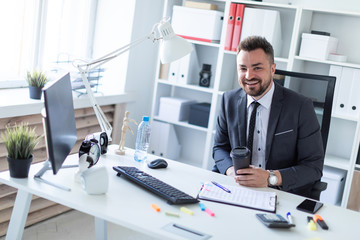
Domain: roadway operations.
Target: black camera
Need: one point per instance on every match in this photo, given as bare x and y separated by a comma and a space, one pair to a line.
205, 75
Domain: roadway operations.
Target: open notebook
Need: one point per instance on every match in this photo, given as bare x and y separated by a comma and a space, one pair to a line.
239, 196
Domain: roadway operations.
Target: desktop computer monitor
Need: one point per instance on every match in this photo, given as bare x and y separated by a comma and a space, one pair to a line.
59, 126
59, 121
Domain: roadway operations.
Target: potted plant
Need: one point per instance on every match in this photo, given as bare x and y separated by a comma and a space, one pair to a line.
20, 141
36, 81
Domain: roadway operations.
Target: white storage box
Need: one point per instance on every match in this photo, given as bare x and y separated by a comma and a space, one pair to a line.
174, 109
197, 24
317, 46
335, 179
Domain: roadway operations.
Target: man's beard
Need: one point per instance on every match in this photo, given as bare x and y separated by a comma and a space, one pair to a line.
254, 92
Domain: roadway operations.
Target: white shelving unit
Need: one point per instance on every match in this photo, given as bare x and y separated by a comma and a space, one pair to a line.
197, 142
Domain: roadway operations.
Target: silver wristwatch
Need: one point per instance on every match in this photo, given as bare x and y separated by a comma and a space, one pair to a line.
272, 180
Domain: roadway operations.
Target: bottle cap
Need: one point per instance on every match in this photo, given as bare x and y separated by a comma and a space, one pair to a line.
145, 118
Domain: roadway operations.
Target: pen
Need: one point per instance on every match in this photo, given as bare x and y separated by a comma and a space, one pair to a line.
223, 188
289, 217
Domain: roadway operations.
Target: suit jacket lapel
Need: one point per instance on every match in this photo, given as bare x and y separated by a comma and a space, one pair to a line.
242, 118
275, 111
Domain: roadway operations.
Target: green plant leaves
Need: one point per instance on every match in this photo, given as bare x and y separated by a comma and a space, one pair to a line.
36, 79
20, 141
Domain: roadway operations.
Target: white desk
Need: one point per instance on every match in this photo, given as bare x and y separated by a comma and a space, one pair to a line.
128, 205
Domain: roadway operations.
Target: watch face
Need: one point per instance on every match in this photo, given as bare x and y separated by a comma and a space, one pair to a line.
272, 178
94, 153
92, 149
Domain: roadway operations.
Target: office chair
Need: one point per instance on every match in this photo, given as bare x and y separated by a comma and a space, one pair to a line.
326, 105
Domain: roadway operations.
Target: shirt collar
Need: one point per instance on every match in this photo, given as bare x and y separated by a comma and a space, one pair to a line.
265, 101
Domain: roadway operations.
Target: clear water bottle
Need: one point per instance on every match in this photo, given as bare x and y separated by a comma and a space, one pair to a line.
142, 140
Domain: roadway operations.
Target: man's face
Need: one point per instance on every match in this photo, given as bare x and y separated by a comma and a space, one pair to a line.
255, 73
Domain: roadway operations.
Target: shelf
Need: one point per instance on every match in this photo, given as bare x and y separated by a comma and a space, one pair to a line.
229, 52
337, 162
335, 12
188, 86
204, 43
343, 64
267, 4
182, 124
344, 117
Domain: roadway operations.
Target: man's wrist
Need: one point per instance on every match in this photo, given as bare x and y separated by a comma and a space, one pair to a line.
274, 178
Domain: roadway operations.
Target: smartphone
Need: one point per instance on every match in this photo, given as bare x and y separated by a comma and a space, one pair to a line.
309, 206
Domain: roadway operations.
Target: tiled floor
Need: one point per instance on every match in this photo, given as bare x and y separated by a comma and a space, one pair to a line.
70, 225
76, 225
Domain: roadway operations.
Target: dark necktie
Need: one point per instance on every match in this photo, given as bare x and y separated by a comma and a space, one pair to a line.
252, 127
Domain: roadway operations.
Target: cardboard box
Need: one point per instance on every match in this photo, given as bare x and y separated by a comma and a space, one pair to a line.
174, 109
317, 46
194, 4
335, 179
199, 114
197, 24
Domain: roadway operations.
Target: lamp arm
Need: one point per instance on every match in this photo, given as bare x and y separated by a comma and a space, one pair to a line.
100, 61
104, 123
85, 68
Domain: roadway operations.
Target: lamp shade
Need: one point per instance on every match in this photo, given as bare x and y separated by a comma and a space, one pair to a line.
172, 47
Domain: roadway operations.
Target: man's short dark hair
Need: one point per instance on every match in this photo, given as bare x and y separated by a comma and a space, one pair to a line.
254, 42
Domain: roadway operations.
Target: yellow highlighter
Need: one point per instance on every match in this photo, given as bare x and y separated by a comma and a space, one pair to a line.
311, 224
186, 210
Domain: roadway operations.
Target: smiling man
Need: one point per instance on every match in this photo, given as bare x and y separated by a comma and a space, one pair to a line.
285, 143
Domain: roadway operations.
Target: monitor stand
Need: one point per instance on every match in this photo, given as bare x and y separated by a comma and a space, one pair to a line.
46, 167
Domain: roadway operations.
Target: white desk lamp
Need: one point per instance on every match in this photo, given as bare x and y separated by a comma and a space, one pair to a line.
172, 47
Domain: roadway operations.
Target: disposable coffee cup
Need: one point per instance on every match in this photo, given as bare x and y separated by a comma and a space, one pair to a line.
240, 157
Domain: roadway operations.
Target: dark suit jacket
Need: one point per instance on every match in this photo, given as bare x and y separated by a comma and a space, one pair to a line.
293, 144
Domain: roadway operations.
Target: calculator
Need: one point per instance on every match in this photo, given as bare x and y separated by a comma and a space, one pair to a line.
274, 221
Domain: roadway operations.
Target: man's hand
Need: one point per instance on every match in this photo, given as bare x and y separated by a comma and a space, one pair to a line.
255, 177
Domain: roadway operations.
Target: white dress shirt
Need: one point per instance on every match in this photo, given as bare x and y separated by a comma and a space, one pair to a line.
261, 126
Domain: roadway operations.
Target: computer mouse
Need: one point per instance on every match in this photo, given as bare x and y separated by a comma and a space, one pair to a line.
158, 163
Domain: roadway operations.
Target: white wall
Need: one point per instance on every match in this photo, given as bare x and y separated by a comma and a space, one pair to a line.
113, 30
142, 62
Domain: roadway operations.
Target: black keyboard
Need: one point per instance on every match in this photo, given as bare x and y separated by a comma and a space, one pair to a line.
162, 189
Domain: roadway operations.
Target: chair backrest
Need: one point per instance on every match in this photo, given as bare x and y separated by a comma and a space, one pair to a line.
320, 88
